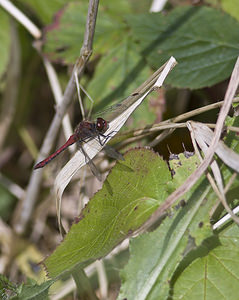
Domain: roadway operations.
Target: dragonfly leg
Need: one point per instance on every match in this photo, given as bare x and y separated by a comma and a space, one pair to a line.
106, 137
110, 151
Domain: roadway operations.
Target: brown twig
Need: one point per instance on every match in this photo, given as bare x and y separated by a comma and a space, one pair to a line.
192, 179
26, 207
136, 134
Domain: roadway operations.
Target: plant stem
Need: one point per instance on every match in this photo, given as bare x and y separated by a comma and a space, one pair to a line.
24, 210
84, 289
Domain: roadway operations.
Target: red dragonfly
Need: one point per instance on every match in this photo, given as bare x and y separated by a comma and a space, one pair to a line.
84, 132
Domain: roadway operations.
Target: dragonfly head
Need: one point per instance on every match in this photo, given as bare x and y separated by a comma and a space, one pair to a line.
101, 125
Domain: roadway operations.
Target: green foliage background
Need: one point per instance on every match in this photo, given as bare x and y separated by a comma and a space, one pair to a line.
183, 258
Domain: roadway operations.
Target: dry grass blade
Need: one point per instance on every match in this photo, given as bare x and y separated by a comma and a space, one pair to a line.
199, 136
225, 218
227, 155
93, 147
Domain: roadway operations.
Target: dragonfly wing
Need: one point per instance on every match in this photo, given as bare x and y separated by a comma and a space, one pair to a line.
94, 170
111, 152
113, 111
97, 147
133, 101
92, 166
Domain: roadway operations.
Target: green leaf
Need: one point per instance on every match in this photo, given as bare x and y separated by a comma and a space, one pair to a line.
64, 37
117, 12
213, 276
5, 38
232, 138
33, 291
182, 166
231, 7
45, 9
6, 286
28, 291
132, 191
155, 256
205, 50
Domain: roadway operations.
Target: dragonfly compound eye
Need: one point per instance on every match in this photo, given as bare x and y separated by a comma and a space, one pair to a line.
101, 124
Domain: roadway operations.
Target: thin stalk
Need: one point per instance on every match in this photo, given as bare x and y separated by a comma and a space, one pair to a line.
84, 288
24, 210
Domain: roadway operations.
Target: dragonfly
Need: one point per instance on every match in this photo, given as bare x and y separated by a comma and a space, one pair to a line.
84, 132
87, 131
